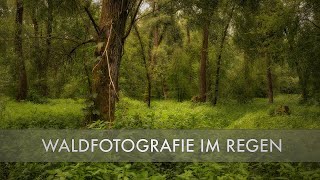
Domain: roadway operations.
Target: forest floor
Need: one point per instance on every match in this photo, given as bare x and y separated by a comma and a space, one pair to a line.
258, 114
68, 113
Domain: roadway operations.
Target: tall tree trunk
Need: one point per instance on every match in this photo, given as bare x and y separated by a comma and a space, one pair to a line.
219, 59
112, 25
36, 51
23, 83
269, 80
44, 64
154, 34
203, 62
142, 49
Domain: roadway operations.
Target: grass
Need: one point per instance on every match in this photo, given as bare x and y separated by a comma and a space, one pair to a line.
67, 113
60, 113
187, 115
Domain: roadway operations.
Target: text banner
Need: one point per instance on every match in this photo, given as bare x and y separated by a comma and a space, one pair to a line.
159, 145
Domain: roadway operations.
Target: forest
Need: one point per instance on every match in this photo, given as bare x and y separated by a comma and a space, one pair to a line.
159, 64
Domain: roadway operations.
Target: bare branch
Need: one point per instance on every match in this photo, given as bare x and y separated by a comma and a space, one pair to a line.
81, 44
133, 19
96, 27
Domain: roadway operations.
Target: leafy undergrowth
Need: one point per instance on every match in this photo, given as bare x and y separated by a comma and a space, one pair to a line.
57, 114
66, 113
187, 115
132, 114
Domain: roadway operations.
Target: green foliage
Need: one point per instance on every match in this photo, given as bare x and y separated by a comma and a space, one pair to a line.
66, 113
160, 171
60, 114
35, 97
132, 114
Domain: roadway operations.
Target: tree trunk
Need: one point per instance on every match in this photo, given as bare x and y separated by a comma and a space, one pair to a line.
154, 34
218, 65
21, 68
269, 80
188, 35
148, 98
165, 88
203, 62
190, 59
246, 70
304, 92
303, 82
112, 25
36, 51
44, 64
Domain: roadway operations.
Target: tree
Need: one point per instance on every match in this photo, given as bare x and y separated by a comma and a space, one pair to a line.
111, 38
43, 87
34, 8
219, 55
146, 65
21, 67
301, 34
270, 27
207, 9
202, 12
245, 39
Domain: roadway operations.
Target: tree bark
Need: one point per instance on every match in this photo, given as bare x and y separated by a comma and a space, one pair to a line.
112, 25
21, 68
203, 62
219, 59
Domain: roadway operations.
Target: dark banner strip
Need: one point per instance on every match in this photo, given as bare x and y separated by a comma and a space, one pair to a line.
159, 146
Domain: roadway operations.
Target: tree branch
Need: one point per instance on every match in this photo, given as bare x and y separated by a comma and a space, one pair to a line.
163, 33
81, 44
55, 37
133, 20
314, 24
96, 27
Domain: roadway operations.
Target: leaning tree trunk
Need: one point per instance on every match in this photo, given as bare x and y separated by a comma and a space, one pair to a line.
144, 58
21, 68
219, 59
203, 62
112, 26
